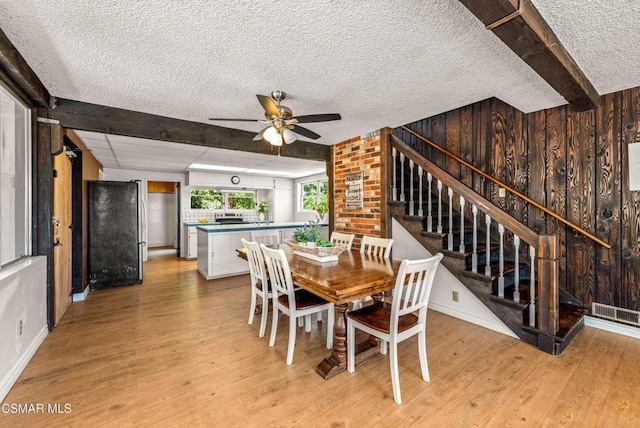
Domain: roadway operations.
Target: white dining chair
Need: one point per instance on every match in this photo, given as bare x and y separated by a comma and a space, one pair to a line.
291, 302
259, 283
380, 247
268, 237
345, 239
395, 322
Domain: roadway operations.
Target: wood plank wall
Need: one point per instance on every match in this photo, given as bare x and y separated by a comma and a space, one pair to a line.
575, 163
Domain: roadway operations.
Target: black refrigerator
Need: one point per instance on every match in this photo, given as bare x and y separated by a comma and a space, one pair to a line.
115, 234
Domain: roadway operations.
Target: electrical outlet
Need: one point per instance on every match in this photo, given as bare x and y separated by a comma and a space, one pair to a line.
19, 328
455, 296
502, 192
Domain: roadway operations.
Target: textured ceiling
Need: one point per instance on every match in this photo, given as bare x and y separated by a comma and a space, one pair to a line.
377, 62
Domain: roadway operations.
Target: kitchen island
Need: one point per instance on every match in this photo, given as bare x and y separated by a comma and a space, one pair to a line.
217, 245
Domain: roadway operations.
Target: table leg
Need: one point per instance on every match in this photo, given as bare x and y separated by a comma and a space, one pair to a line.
337, 362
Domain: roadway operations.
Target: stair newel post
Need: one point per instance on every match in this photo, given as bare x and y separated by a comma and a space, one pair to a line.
516, 278
429, 215
462, 201
501, 262
412, 206
487, 268
450, 240
532, 287
548, 293
394, 189
474, 255
402, 176
439, 206
420, 190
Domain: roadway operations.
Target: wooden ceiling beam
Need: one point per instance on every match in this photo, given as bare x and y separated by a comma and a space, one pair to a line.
109, 120
521, 27
19, 77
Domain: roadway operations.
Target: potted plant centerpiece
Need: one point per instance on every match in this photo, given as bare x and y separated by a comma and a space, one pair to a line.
308, 235
263, 210
307, 243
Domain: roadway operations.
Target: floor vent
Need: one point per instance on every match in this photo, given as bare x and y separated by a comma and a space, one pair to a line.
617, 314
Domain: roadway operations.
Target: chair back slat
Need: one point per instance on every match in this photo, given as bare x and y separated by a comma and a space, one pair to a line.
413, 287
380, 247
256, 261
267, 237
279, 272
340, 238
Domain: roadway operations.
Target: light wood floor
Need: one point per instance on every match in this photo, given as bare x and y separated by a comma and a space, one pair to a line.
177, 351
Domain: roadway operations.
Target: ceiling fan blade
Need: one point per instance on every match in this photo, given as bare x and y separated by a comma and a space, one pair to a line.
269, 106
233, 120
260, 135
305, 132
308, 118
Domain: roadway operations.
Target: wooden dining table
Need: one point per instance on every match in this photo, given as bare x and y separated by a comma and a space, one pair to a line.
353, 276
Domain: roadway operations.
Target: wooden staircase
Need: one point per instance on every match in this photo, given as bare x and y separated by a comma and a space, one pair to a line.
528, 306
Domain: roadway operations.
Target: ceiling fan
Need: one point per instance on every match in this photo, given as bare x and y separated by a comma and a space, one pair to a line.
282, 124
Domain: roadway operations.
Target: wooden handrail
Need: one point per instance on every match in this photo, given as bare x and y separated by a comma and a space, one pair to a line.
511, 190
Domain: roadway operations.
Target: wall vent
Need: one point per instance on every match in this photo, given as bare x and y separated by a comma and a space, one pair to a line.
616, 314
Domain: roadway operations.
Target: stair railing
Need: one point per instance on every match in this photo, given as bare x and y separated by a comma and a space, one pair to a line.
543, 249
509, 189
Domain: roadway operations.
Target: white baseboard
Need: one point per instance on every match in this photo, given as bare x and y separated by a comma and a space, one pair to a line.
79, 297
13, 375
500, 328
613, 327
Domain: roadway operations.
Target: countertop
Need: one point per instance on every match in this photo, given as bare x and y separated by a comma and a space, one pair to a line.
216, 228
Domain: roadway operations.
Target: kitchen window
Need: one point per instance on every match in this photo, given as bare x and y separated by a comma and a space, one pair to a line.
207, 199
312, 194
15, 178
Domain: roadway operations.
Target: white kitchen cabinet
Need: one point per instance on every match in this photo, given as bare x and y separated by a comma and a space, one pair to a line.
217, 256
192, 242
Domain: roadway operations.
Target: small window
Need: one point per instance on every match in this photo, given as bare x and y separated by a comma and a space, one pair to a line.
313, 193
208, 199
203, 199
241, 200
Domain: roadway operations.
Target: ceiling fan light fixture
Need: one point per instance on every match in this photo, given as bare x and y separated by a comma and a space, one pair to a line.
273, 136
288, 136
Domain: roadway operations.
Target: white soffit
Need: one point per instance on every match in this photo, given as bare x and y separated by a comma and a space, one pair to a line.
115, 151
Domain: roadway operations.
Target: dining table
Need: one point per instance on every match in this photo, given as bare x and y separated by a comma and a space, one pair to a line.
353, 276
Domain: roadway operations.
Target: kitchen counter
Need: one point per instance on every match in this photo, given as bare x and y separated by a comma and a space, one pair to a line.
217, 228
217, 244
197, 223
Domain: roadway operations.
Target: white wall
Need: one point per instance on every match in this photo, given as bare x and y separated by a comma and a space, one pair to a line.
23, 296
469, 308
161, 219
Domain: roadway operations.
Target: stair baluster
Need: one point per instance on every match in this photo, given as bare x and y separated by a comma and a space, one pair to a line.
487, 268
501, 262
394, 189
439, 230
450, 240
462, 225
402, 177
516, 278
412, 207
429, 215
420, 174
532, 287
474, 255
